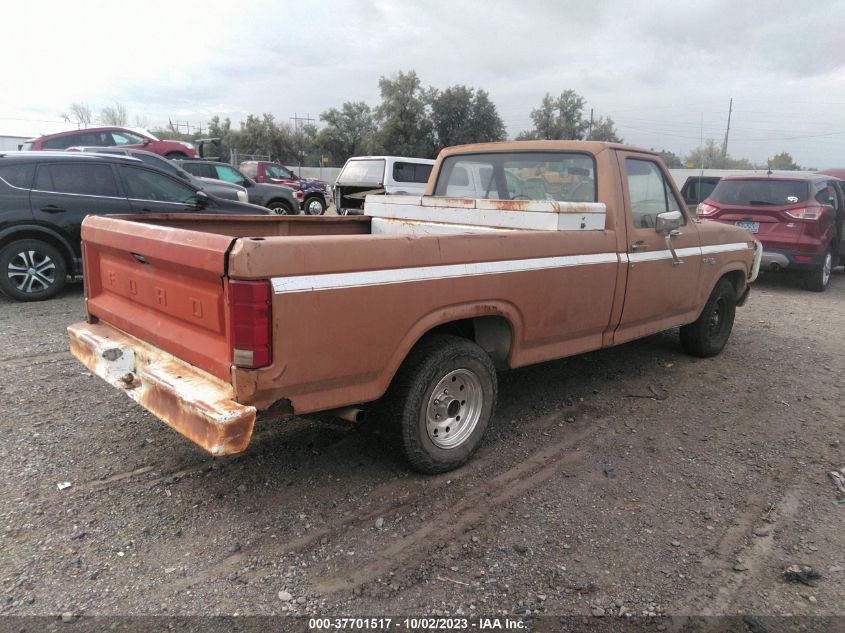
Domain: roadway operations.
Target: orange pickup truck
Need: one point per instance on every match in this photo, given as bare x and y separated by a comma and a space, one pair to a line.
518, 253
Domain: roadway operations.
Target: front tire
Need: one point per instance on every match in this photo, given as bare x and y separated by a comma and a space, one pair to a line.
31, 270
442, 400
281, 207
818, 279
709, 334
314, 205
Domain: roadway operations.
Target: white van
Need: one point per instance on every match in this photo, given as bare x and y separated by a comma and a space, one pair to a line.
378, 175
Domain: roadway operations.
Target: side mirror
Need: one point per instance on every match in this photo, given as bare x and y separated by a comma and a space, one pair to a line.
668, 221
147, 142
202, 200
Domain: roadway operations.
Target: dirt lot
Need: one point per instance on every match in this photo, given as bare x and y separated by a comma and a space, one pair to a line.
633, 480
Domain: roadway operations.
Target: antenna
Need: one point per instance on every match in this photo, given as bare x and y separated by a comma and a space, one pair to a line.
728, 130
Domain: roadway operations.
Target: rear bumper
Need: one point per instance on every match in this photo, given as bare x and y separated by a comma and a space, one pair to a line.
779, 258
192, 402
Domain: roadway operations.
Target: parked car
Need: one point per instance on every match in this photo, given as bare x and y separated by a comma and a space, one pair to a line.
436, 294
111, 137
227, 190
278, 198
372, 175
698, 188
316, 193
799, 220
44, 196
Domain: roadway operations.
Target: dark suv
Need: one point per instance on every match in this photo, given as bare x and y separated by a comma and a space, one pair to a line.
280, 199
799, 220
44, 197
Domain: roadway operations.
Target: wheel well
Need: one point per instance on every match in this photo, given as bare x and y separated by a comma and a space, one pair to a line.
492, 333
59, 245
279, 200
737, 279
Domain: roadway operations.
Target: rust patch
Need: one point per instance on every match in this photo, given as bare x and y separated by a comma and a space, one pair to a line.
192, 402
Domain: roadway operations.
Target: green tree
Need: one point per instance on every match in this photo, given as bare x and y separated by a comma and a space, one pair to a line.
783, 161
604, 129
559, 118
405, 127
709, 156
349, 131
462, 115
670, 159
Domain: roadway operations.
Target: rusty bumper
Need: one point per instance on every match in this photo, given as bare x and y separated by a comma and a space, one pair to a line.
187, 399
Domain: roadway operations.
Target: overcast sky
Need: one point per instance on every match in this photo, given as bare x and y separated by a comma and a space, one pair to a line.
663, 70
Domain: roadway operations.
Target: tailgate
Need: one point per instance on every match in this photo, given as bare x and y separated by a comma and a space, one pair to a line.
162, 285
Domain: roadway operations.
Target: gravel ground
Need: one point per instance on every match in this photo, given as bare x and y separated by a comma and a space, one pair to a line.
632, 480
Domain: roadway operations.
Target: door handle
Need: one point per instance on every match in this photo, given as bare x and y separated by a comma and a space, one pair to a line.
52, 208
639, 246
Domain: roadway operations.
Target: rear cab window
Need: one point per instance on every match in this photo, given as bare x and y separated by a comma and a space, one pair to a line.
760, 192
555, 176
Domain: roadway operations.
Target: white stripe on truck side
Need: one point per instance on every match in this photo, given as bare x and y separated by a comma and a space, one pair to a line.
330, 281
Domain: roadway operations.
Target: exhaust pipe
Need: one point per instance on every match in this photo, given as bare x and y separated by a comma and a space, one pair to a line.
351, 414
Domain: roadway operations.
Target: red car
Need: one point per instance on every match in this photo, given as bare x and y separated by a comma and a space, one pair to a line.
111, 137
798, 219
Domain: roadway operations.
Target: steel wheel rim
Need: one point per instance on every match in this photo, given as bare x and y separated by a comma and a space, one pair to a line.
717, 317
31, 271
279, 210
314, 207
827, 268
454, 408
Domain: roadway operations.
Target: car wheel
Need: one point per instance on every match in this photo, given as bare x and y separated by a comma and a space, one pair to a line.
709, 334
175, 155
314, 206
280, 207
818, 279
31, 270
442, 400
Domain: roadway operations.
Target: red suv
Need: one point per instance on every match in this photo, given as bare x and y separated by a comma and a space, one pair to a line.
798, 219
111, 137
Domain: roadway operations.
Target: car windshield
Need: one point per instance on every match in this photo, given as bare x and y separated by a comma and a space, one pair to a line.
760, 192
277, 171
362, 172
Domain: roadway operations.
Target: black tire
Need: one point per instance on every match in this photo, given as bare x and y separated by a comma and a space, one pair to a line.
442, 362
175, 155
818, 279
709, 334
281, 207
31, 270
315, 205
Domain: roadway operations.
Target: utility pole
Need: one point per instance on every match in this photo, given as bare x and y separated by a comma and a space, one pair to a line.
298, 123
590, 134
728, 130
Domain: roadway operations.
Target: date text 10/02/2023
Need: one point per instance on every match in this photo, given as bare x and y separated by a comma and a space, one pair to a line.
423, 623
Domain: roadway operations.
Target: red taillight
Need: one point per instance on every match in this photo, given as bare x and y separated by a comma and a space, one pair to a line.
809, 213
250, 323
704, 209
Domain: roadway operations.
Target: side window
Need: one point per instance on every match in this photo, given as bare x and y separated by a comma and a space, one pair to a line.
228, 174
411, 172
250, 170
125, 138
18, 175
199, 169
144, 184
649, 192
157, 162
80, 179
825, 193
63, 142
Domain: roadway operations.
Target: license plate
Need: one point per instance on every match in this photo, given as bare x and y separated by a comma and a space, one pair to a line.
751, 226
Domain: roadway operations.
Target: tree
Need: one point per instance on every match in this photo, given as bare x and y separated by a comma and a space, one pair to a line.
604, 130
559, 118
462, 115
349, 131
709, 156
670, 159
114, 115
783, 161
79, 113
405, 127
